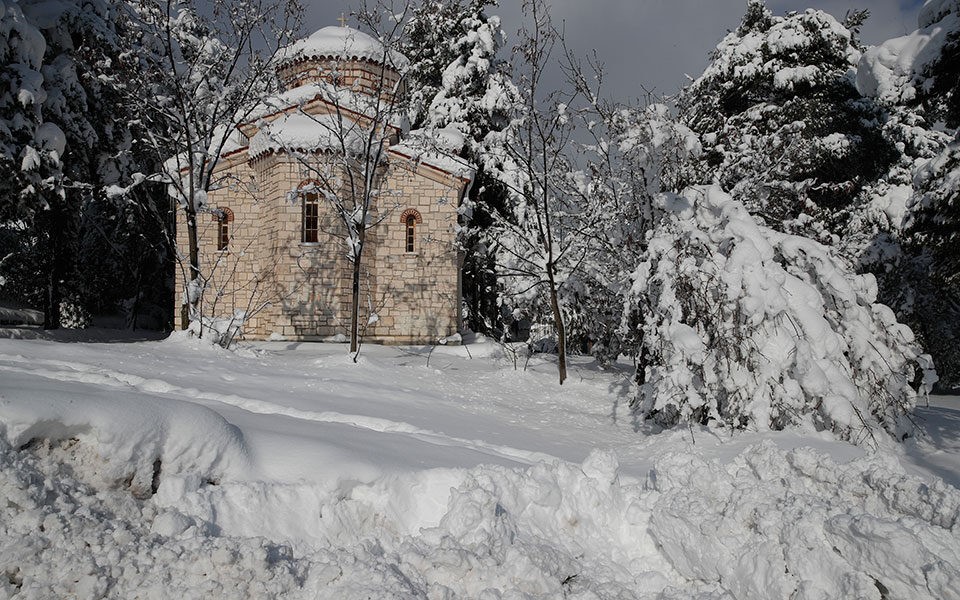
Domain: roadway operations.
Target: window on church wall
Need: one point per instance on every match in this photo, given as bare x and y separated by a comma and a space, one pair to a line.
410, 219
411, 232
310, 227
223, 217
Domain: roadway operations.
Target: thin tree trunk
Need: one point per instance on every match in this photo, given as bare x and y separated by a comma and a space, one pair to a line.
355, 307
56, 230
355, 297
558, 325
193, 295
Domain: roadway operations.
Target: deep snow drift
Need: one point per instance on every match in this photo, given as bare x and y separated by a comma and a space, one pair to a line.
166, 469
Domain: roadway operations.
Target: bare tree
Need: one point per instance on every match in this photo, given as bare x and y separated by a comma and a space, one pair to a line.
351, 131
542, 244
203, 73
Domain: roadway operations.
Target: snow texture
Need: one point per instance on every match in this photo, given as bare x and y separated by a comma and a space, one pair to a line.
300, 132
436, 148
892, 71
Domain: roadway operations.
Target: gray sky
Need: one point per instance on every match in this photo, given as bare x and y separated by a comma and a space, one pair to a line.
652, 44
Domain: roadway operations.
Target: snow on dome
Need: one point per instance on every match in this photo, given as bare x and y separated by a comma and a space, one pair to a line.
342, 43
308, 133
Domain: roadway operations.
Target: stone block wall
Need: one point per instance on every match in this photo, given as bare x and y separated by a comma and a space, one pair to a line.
302, 291
229, 273
418, 293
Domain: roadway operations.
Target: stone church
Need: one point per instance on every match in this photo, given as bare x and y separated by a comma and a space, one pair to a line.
272, 248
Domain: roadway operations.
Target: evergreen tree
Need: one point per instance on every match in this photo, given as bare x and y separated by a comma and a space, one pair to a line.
915, 78
459, 82
31, 151
746, 327
782, 123
71, 254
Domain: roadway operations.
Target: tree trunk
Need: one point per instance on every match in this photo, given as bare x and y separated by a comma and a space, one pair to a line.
558, 325
194, 247
56, 231
355, 297
355, 307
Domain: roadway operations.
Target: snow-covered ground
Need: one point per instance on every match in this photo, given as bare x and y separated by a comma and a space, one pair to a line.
167, 468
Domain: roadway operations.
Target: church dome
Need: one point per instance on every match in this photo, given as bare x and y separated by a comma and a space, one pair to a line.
340, 43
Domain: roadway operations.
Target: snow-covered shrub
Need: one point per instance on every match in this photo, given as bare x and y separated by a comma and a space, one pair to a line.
749, 327
221, 331
73, 315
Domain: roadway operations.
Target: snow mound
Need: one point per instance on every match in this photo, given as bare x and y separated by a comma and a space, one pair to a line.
769, 524
64, 535
342, 43
141, 440
778, 524
747, 327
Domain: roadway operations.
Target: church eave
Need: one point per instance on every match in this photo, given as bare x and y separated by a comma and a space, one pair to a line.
418, 163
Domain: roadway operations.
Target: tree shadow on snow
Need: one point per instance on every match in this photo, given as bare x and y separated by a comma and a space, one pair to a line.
940, 429
93, 335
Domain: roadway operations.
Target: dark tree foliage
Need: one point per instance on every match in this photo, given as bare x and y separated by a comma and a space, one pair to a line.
933, 235
458, 79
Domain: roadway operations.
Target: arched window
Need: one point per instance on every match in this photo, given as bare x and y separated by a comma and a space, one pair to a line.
223, 216
410, 219
310, 222
411, 232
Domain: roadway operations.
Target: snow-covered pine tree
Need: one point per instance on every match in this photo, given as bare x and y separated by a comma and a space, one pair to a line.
743, 326
426, 42
86, 233
914, 77
458, 80
782, 123
935, 229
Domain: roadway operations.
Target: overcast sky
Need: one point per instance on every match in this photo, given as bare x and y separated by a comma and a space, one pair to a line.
653, 44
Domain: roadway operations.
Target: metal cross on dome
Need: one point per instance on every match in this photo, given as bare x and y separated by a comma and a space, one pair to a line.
343, 20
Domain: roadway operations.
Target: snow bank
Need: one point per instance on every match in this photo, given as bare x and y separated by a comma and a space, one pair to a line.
770, 524
140, 439
63, 534
776, 524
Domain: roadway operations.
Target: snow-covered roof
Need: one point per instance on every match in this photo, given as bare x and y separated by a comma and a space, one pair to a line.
307, 133
342, 43
344, 98
436, 149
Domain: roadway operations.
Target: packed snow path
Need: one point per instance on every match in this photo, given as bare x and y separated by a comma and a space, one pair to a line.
156, 469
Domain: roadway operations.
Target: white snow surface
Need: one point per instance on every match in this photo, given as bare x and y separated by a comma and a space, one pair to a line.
158, 469
437, 148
